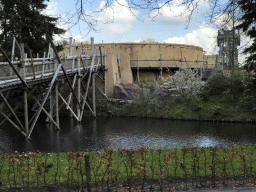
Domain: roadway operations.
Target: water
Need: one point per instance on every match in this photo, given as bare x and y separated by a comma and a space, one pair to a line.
119, 133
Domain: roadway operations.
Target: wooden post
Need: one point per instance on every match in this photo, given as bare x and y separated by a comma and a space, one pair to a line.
57, 119
44, 100
138, 72
12, 58
43, 65
93, 94
181, 59
92, 45
118, 63
78, 82
197, 63
161, 69
25, 96
105, 73
87, 171
70, 46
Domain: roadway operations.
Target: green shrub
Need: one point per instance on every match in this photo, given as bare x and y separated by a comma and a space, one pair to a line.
217, 85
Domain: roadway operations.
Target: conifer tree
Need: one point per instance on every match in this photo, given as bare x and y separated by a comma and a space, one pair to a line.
248, 22
24, 20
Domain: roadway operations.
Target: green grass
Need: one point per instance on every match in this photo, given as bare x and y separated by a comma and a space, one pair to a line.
37, 169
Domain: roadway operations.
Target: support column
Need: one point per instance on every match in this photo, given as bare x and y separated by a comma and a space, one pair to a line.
78, 82
138, 72
161, 68
25, 95
57, 103
181, 59
93, 94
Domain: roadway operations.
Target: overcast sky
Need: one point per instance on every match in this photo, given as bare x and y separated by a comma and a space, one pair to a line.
170, 25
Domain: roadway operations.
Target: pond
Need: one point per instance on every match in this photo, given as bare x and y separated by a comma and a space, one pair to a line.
125, 133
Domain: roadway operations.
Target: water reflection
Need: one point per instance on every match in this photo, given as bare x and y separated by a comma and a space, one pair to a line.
125, 133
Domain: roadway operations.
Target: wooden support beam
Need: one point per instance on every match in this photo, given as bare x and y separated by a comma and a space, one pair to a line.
101, 91
70, 95
138, 68
25, 101
63, 69
17, 106
14, 69
93, 94
44, 110
57, 118
68, 107
88, 82
10, 108
43, 102
78, 81
15, 126
32, 64
161, 68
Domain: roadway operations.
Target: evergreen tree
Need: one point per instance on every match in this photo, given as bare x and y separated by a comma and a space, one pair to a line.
248, 22
24, 20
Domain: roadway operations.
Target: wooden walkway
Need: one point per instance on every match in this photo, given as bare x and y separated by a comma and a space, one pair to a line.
29, 74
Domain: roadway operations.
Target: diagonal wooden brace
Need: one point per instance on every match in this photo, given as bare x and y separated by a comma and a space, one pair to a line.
44, 100
10, 108
64, 71
88, 82
14, 69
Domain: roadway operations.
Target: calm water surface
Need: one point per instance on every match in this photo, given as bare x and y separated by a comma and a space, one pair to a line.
118, 133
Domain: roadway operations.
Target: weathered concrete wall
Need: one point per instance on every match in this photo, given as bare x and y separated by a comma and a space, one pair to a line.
126, 72
112, 75
211, 60
152, 51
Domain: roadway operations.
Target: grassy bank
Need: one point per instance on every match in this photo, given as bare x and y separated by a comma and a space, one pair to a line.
199, 166
221, 99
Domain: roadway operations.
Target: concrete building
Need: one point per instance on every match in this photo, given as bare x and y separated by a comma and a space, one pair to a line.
148, 61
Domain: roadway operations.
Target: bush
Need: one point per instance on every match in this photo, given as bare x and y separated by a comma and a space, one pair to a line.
217, 85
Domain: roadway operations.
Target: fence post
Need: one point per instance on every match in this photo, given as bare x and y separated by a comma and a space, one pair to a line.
92, 46
105, 72
87, 171
161, 69
181, 58
70, 46
13, 49
138, 72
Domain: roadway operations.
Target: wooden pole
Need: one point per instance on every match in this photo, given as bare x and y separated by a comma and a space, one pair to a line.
25, 95
78, 81
32, 64
93, 94
43, 65
48, 115
138, 72
92, 45
10, 108
181, 58
13, 50
87, 172
63, 69
105, 73
57, 118
88, 82
161, 69
44, 100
